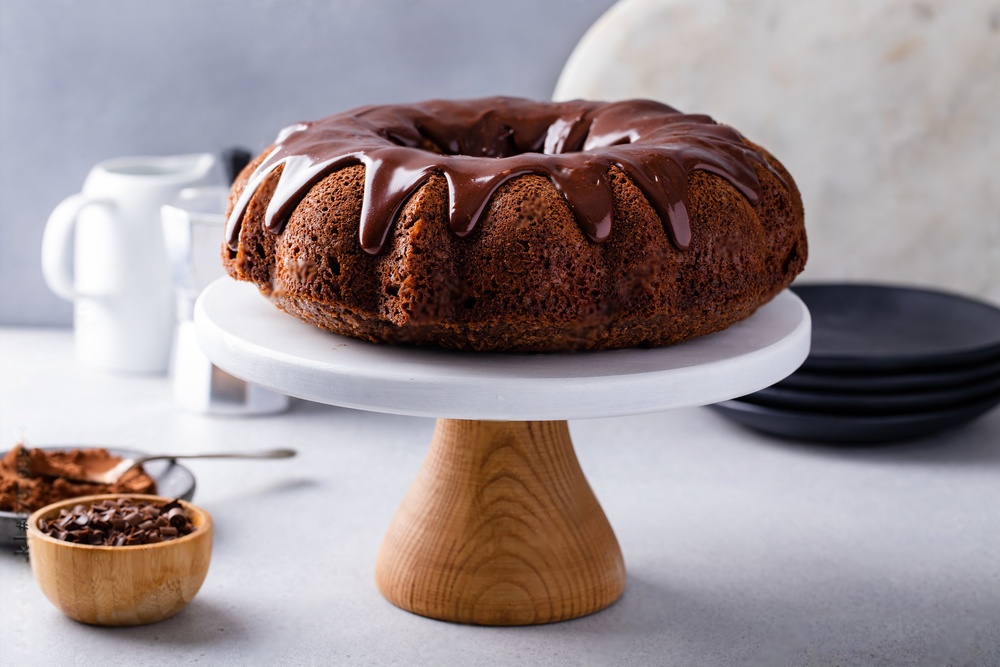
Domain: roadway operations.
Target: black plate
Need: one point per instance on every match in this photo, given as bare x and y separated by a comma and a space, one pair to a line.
895, 382
885, 329
172, 481
839, 429
874, 404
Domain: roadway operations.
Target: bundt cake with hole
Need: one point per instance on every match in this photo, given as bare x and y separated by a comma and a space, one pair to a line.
509, 224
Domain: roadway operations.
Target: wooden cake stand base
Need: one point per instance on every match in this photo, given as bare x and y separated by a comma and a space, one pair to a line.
500, 526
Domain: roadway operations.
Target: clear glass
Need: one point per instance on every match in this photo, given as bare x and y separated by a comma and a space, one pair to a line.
194, 227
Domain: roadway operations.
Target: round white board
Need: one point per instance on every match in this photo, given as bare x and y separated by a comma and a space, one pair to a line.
882, 110
244, 334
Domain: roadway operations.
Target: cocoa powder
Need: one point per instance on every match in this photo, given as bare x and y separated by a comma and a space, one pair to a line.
33, 478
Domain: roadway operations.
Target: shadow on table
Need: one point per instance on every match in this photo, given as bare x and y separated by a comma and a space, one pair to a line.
681, 626
279, 487
973, 444
201, 624
651, 618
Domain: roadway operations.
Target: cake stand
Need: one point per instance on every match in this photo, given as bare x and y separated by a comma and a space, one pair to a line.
500, 526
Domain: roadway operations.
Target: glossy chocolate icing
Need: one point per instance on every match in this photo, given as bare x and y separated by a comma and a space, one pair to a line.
477, 145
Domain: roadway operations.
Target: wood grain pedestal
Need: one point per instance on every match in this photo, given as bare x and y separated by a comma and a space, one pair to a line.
500, 528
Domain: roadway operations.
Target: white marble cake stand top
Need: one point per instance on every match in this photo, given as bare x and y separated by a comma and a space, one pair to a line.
244, 334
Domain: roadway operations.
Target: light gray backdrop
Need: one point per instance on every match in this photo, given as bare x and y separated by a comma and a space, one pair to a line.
81, 82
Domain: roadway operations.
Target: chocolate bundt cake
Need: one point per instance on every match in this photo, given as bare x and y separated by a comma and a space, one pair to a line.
507, 224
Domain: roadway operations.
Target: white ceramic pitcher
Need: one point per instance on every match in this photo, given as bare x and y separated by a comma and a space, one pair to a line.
103, 249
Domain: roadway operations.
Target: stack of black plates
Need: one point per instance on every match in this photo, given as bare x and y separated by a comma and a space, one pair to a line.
887, 363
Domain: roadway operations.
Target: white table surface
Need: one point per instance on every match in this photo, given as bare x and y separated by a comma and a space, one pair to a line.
741, 550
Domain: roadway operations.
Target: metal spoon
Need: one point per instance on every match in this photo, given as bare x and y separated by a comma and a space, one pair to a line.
114, 474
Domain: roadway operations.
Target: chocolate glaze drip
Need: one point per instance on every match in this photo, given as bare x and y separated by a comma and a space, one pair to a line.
479, 144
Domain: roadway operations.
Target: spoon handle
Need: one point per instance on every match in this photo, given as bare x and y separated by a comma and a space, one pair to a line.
265, 454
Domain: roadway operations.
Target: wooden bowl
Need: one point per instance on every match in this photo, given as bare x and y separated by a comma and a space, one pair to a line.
131, 585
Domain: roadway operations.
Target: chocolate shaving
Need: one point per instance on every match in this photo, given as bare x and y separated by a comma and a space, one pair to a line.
119, 522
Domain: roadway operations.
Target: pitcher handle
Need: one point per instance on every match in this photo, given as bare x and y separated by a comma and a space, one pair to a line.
57, 244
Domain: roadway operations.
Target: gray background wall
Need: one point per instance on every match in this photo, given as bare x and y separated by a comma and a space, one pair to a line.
81, 82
